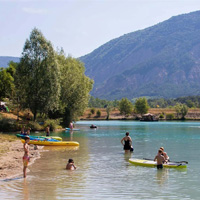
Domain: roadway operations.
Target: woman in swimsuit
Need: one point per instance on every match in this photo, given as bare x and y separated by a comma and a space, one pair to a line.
126, 142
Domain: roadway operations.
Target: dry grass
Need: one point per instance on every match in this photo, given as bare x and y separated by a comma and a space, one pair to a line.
115, 114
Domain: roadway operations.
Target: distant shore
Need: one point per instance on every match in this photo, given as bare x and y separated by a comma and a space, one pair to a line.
193, 114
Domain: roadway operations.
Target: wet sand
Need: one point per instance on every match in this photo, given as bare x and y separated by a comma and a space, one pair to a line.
11, 164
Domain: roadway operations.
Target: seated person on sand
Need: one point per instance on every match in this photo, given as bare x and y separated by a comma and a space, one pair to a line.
160, 159
70, 165
165, 155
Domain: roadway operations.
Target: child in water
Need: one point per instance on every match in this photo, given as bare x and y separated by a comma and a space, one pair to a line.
26, 157
70, 165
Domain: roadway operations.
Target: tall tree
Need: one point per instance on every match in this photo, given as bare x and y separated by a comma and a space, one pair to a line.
125, 107
141, 106
181, 109
75, 88
7, 86
38, 75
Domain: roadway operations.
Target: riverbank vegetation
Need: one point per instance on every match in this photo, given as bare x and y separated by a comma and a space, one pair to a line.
46, 83
48, 88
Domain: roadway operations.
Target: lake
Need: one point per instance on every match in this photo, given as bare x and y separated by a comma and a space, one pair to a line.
103, 170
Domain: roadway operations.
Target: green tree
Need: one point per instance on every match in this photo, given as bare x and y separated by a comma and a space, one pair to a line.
190, 104
184, 111
181, 109
75, 88
92, 110
98, 113
141, 106
7, 86
125, 107
38, 75
178, 109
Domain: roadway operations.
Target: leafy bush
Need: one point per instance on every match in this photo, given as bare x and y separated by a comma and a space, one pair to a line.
92, 110
161, 116
8, 125
53, 123
170, 116
35, 126
98, 113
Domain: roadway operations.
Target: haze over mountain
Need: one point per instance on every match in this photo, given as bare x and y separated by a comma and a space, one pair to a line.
159, 61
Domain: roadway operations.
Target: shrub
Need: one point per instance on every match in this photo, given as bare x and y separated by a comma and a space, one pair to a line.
53, 123
8, 125
92, 111
161, 116
35, 126
170, 116
98, 113
89, 115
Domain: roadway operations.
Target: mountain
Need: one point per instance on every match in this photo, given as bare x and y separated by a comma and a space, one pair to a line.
159, 61
4, 60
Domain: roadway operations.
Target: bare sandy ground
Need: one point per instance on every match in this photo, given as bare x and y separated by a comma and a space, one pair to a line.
11, 164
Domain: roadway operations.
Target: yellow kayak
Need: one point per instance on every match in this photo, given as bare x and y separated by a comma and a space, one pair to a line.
50, 143
151, 163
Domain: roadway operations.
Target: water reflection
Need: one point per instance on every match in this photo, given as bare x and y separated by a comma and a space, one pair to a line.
162, 176
127, 156
61, 148
25, 187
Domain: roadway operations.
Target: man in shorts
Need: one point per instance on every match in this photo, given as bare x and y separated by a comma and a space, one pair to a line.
160, 159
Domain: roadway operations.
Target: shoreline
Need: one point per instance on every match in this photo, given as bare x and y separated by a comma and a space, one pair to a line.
11, 164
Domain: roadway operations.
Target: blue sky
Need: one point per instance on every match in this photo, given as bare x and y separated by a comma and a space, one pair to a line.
80, 26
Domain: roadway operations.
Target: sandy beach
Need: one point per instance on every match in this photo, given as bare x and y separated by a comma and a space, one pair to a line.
11, 164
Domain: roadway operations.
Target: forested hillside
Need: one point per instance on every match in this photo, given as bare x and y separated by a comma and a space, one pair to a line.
159, 61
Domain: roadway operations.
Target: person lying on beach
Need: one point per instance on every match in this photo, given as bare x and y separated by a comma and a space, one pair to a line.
160, 159
165, 155
26, 157
70, 165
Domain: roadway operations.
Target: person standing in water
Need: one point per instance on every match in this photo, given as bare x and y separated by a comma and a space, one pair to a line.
26, 157
160, 159
127, 142
71, 126
47, 131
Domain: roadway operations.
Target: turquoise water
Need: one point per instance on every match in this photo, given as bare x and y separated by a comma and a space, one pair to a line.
103, 170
